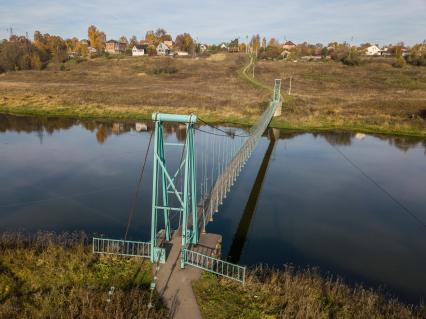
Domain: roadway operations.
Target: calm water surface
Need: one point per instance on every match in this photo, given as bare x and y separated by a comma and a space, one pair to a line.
349, 204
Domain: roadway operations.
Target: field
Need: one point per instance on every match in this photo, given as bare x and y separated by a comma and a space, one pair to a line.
57, 276
372, 97
271, 294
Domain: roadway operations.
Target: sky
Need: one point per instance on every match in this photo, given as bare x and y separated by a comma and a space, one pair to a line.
214, 21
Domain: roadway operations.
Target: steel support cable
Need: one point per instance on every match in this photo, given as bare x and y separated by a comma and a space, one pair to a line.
219, 129
138, 188
395, 200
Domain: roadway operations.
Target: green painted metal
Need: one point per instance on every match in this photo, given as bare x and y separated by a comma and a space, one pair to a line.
164, 186
128, 248
214, 265
276, 97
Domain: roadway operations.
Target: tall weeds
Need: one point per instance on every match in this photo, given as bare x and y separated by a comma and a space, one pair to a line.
57, 276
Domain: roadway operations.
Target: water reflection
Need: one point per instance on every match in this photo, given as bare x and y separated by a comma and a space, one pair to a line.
297, 200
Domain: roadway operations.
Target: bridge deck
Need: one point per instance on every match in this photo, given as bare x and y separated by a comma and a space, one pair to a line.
175, 284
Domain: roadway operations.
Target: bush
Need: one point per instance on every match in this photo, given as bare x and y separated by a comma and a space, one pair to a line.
165, 67
399, 62
346, 55
417, 60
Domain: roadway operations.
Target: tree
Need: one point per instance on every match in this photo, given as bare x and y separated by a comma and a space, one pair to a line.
161, 35
97, 38
184, 42
255, 43
273, 43
150, 37
264, 42
19, 54
133, 41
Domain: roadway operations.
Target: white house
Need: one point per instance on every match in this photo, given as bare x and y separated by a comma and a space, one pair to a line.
181, 53
373, 50
203, 48
223, 46
163, 49
139, 50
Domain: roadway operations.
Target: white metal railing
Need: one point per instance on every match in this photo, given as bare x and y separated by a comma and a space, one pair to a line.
121, 247
214, 265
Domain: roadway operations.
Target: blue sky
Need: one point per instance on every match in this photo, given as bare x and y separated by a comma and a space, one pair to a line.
356, 21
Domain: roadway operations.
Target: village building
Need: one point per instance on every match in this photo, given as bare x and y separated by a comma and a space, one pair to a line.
115, 47
139, 50
181, 53
289, 45
223, 46
169, 43
373, 50
163, 49
203, 48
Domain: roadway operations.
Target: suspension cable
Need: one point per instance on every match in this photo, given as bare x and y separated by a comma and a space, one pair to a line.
219, 129
138, 188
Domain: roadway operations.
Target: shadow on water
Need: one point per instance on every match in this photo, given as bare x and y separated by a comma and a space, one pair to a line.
240, 236
317, 209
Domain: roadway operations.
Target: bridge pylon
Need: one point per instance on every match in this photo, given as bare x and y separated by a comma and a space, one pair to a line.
165, 190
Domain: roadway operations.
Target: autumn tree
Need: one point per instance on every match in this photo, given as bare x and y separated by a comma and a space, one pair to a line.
255, 43
97, 38
133, 41
150, 37
273, 43
162, 35
184, 42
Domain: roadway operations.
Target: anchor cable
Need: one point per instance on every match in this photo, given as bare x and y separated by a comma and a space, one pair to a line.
138, 188
396, 201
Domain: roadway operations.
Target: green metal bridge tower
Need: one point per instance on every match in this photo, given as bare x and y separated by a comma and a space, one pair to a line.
164, 185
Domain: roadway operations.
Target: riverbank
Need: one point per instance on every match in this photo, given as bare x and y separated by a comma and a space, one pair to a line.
372, 98
57, 276
271, 294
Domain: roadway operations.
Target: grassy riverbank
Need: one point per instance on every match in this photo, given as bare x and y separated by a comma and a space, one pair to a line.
272, 294
52, 276
373, 97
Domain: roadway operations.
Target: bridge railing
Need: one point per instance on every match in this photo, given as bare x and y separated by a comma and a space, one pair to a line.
214, 265
121, 247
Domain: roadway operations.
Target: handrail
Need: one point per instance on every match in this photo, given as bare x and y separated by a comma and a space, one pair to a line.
214, 265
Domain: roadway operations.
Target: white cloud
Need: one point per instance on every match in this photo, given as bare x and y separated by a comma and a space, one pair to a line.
380, 21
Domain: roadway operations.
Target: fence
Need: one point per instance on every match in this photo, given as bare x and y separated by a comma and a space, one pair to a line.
121, 247
214, 265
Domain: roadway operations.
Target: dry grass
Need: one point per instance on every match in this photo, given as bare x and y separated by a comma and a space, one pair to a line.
50, 276
373, 97
134, 87
270, 294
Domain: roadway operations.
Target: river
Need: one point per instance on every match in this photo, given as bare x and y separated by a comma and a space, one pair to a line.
353, 205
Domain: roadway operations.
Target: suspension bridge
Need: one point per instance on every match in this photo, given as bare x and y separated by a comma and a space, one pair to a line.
186, 198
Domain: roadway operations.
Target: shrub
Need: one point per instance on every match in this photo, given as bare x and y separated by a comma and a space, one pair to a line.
399, 62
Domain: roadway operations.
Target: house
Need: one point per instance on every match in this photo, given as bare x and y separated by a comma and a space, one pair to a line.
139, 50
168, 43
163, 49
115, 47
146, 42
223, 46
85, 42
373, 50
181, 53
203, 48
288, 45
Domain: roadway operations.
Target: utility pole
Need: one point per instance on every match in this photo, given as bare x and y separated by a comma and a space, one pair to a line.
10, 30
